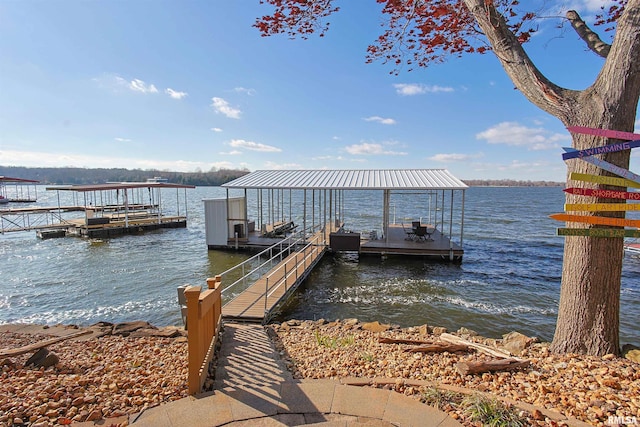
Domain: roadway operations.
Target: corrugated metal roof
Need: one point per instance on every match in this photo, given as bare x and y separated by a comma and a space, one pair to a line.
361, 179
117, 186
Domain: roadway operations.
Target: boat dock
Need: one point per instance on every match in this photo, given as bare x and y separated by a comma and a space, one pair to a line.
287, 255
284, 201
107, 210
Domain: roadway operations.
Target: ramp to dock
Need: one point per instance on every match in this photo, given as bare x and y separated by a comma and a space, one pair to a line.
256, 302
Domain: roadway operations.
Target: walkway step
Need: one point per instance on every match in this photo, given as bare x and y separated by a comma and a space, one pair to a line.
253, 388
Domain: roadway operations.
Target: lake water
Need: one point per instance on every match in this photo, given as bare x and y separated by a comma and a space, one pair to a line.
508, 280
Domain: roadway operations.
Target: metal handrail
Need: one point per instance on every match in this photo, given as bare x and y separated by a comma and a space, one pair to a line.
286, 274
289, 242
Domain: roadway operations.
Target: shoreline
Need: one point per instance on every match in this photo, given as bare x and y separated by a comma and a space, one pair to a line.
107, 375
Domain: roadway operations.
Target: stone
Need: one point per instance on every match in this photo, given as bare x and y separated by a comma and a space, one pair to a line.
515, 342
423, 329
439, 330
126, 328
94, 415
42, 358
375, 327
350, 322
633, 355
465, 331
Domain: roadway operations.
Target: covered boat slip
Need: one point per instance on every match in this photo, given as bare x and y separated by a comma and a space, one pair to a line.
17, 190
381, 212
123, 208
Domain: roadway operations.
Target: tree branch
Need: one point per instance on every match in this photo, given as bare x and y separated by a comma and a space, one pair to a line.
592, 40
551, 98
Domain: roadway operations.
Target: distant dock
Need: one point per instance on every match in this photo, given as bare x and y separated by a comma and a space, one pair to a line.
107, 210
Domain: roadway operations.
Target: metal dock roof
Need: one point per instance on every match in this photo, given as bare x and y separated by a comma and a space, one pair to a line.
350, 179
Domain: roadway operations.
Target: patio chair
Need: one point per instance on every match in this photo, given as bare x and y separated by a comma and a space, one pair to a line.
409, 232
421, 233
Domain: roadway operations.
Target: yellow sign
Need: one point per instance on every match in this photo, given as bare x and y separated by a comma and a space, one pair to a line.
594, 207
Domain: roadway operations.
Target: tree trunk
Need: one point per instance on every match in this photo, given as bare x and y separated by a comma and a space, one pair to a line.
588, 314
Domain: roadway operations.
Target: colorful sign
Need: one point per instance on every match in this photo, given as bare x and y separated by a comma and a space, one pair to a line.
617, 134
605, 194
610, 148
598, 232
604, 207
608, 167
601, 220
607, 180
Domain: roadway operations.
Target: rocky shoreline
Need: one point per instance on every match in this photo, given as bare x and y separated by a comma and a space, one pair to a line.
118, 371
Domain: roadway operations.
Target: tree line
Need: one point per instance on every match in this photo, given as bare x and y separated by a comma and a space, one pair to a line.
77, 176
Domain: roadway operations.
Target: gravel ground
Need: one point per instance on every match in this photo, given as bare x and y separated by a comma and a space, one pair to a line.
112, 375
590, 389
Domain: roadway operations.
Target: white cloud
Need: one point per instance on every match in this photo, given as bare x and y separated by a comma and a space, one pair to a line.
408, 89
175, 94
367, 148
244, 90
138, 85
380, 120
230, 153
221, 106
122, 139
454, 157
57, 159
253, 146
515, 134
216, 129
282, 166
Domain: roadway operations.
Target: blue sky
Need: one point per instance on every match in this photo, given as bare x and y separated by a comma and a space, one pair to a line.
191, 85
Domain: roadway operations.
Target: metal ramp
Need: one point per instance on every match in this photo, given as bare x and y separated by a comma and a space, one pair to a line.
257, 301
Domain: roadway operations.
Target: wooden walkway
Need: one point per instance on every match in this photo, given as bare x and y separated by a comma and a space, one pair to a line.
256, 302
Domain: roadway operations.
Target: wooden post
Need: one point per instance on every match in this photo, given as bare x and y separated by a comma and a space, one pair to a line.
192, 293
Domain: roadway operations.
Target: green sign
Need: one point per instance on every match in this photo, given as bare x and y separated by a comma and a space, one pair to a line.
598, 232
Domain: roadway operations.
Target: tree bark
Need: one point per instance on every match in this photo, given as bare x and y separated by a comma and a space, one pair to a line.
588, 313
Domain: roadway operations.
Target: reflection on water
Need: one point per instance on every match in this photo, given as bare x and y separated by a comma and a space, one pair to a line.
509, 278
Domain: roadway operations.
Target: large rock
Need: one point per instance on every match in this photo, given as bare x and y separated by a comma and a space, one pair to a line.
42, 358
126, 328
375, 327
515, 342
631, 352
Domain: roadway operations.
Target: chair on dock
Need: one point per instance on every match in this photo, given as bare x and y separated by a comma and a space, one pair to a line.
421, 233
409, 232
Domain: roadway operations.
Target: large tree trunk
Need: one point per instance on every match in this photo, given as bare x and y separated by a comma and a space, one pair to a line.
588, 314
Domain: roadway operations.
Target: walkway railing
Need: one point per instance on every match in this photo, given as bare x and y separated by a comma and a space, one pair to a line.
204, 310
248, 271
280, 276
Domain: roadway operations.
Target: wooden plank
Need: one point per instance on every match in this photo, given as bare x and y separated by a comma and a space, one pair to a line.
609, 148
598, 232
602, 207
607, 133
606, 180
610, 167
10, 352
604, 194
599, 220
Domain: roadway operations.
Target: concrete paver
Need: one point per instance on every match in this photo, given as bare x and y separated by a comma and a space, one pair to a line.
252, 388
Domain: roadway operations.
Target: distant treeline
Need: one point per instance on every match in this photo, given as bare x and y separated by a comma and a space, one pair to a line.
76, 176
214, 177
510, 183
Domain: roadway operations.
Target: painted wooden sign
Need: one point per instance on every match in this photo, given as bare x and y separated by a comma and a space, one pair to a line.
608, 167
617, 134
604, 207
605, 194
601, 220
610, 148
607, 180
598, 232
